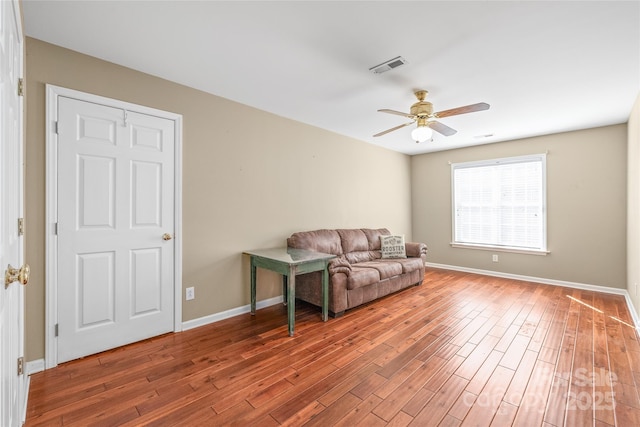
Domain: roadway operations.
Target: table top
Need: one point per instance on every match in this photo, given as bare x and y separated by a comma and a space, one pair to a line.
290, 256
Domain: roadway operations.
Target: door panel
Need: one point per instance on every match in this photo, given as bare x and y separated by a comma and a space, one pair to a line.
147, 269
96, 192
115, 202
96, 129
96, 289
146, 194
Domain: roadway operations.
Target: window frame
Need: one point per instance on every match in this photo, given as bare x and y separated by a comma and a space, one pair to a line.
542, 158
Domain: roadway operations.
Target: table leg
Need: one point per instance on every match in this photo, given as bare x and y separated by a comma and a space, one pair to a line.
253, 287
285, 283
325, 294
291, 300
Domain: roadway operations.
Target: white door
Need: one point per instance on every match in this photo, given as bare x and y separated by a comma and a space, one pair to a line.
115, 227
11, 297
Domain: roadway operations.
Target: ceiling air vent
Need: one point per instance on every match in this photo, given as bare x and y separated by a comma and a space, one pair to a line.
388, 65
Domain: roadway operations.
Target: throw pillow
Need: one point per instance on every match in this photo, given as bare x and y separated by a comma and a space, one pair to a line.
392, 246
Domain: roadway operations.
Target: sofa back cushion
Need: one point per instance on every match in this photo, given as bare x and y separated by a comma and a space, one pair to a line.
355, 245
326, 241
353, 240
373, 237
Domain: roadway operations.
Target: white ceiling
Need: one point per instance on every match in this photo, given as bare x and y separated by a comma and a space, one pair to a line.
544, 67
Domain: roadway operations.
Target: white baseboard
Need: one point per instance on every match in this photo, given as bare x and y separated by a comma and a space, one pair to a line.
35, 366
190, 324
587, 287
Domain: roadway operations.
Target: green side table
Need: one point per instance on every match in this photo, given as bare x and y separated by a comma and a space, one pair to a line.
290, 262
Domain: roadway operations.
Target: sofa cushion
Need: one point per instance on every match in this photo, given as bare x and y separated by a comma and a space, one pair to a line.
386, 269
373, 237
326, 241
410, 264
360, 277
360, 256
393, 247
353, 240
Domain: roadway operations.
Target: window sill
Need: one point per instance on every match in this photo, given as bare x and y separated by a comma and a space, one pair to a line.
500, 249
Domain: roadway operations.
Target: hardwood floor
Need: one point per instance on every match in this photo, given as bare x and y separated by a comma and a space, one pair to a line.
461, 349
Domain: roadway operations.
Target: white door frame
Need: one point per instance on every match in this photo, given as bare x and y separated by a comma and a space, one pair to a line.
51, 258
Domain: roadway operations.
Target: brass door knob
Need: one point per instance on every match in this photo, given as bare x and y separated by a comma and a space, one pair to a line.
167, 236
16, 275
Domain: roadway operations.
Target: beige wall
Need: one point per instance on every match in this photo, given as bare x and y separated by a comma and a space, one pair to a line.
250, 179
633, 216
250, 187
586, 203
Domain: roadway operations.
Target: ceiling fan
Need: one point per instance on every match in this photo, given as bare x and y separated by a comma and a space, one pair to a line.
422, 113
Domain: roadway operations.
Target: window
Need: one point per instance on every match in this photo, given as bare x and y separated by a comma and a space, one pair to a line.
500, 204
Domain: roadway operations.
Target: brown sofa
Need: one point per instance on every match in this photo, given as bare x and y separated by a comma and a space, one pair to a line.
358, 274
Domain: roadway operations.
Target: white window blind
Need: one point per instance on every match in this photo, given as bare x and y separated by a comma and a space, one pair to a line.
500, 203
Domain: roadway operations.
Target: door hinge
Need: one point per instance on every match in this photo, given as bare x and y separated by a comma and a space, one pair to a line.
55, 228
20, 87
56, 330
55, 127
20, 226
20, 365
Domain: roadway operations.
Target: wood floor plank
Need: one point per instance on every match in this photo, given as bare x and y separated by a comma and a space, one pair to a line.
405, 391
436, 410
449, 421
448, 369
603, 386
515, 352
531, 409
483, 374
359, 413
192, 414
460, 349
463, 405
488, 402
399, 378
476, 358
504, 416
521, 378
335, 412
417, 402
558, 401
347, 384
305, 414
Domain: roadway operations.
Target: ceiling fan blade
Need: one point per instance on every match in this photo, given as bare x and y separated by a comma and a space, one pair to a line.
440, 128
384, 132
397, 113
463, 110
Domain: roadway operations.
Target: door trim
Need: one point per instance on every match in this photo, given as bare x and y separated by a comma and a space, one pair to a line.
51, 239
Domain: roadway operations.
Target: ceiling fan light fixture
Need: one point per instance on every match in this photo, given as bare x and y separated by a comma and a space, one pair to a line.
421, 133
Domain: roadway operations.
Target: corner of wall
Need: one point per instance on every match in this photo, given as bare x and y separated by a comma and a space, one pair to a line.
633, 207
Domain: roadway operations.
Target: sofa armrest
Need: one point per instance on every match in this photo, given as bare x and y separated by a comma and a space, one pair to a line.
415, 249
339, 265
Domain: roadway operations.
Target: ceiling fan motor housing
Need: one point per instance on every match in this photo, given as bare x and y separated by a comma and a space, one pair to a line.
422, 109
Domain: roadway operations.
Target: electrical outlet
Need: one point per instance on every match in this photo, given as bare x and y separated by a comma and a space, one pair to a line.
191, 293
495, 258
